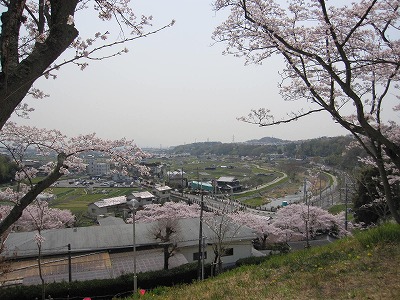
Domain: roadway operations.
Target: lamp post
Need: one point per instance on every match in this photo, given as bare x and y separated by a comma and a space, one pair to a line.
133, 205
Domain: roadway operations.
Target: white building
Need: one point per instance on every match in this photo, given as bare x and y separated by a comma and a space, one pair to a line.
143, 198
108, 207
95, 167
108, 247
162, 193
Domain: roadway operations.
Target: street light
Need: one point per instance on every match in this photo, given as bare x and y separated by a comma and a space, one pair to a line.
133, 205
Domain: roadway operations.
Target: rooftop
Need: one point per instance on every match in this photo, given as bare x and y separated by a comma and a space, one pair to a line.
110, 201
227, 179
143, 195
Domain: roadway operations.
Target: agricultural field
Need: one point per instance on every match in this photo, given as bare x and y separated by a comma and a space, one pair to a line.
261, 181
77, 199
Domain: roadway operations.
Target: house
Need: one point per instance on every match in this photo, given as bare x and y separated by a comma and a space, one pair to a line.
143, 198
106, 251
162, 193
228, 184
177, 179
108, 207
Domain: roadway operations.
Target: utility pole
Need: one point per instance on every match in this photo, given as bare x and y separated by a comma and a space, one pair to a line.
345, 207
182, 180
69, 264
320, 190
200, 266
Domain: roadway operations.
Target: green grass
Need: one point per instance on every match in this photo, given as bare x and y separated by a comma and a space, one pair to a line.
256, 201
77, 199
358, 267
337, 209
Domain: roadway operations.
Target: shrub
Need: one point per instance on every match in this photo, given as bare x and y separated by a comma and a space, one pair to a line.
101, 287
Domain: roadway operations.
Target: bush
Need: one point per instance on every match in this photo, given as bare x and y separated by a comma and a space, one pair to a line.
253, 260
386, 233
99, 288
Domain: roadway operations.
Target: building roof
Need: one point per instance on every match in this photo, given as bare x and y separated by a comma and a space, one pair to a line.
110, 201
97, 238
202, 183
227, 179
162, 188
82, 239
143, 195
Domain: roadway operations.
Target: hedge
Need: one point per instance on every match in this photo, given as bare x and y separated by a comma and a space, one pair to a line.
104, 288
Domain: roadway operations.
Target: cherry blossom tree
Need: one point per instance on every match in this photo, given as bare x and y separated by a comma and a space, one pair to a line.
38, 216
37, 38
35, 33
294, 220
342, 59
165, 218
266, 232
18, 140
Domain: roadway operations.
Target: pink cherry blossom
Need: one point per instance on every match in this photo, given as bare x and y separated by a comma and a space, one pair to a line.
19, 140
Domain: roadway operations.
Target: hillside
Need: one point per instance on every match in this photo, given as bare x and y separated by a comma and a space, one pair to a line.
361, 267
267, 141
333, 150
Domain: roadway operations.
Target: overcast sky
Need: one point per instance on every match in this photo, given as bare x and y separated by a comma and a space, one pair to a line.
172, 88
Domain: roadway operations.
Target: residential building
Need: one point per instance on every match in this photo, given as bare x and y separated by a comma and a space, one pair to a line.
108, 207
228, 184
162, 193
177, 179
143, 198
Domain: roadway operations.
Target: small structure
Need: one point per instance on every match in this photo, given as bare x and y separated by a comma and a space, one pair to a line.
228, 184
108, 207
143, 198
204, 186
177, 179
162, 193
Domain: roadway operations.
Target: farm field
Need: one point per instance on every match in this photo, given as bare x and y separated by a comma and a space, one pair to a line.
261, 181
77, 199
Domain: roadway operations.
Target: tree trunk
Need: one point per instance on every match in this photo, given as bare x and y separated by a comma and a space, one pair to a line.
27, 199
40, 272
166, 256
16, 78
388, 191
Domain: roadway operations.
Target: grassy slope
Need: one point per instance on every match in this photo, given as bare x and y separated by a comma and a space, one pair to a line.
365, 266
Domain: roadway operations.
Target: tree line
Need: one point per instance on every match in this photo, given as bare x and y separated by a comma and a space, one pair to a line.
332, 149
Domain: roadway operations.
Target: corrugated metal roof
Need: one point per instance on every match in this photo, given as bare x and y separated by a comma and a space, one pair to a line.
96, 238
227, 179
162, 188
111, 201
143, 195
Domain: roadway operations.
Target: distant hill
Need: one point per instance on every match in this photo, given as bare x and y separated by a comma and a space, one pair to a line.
332, 149
267, 141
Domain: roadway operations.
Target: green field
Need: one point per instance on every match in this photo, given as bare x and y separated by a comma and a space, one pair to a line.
77, 199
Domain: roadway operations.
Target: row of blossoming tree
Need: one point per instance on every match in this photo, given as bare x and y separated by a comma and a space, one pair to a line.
291, 223
341, 58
